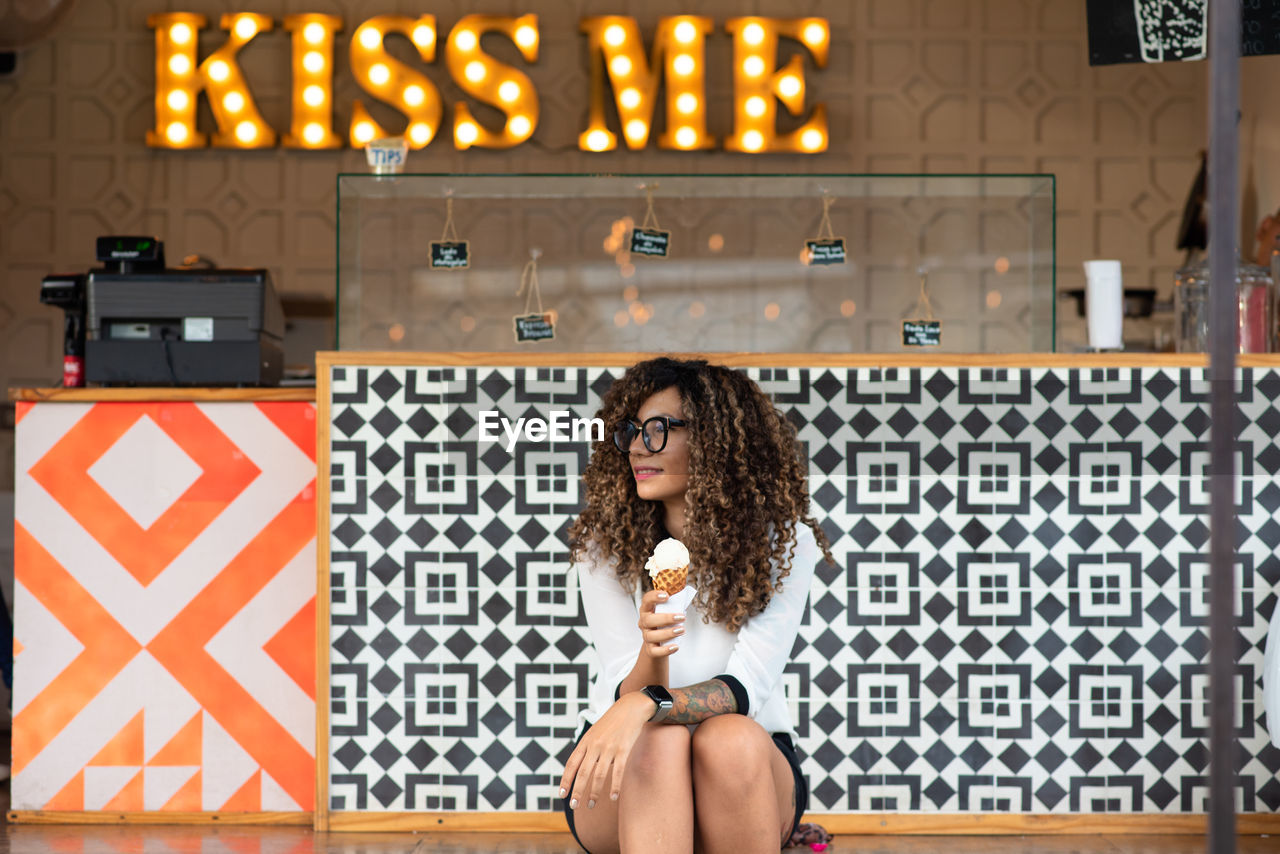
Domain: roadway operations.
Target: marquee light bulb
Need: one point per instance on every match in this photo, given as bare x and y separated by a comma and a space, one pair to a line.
420, 133
414, 95
755, 106
526, 36
370, 38
475, 71
465, 40
179, 64
812, 140
685, 32
467, 133
636, 130
177, 132
684, 64
687, 103
620, 66
686, 137
313, 33
789, 86
313, 133
363, 132
312, 61
233, 102
630, 98
246, 132
753, 34
753, 66
246, 27
313, 96
815, 34
597, 140
178, 100
753, 140
614, 35
423, 36
509, 91
379, 74
180, 33
520, 125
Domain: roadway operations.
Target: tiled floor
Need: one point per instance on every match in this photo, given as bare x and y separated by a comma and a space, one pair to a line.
186, 839
267, 840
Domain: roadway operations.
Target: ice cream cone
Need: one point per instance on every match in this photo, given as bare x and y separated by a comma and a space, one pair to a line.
671, 581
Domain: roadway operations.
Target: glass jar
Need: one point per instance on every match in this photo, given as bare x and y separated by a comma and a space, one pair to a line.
1255, 309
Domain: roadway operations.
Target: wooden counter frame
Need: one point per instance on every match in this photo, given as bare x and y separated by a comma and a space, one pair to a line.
838, 823
163, 395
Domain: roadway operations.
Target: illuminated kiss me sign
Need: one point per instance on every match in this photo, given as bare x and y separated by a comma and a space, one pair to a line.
620, 68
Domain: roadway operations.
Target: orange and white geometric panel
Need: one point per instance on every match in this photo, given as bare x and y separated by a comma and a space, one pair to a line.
164, 607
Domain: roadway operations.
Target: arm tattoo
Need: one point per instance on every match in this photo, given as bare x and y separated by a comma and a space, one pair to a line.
696, 703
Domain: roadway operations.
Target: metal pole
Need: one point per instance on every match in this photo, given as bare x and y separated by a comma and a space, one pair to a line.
1224, 228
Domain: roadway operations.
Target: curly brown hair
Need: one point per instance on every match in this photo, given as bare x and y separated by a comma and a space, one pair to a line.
746, 480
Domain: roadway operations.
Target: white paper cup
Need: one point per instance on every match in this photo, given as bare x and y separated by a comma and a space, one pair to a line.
386, 156
1104, 304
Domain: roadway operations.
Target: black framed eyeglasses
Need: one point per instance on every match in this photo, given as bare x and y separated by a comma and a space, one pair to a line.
653, 432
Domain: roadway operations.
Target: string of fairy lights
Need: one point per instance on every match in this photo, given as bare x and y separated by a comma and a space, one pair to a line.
677, 56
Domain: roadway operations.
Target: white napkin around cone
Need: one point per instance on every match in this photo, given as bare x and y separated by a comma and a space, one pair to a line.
678, 603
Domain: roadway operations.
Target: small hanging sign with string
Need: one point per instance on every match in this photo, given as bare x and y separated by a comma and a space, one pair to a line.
648, 240
922, 332
536, 326
826, 249
450, 253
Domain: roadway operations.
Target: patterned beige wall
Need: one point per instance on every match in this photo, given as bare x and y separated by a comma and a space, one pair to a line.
913, 85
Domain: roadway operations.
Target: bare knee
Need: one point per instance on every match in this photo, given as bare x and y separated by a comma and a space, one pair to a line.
660, 748
731, 748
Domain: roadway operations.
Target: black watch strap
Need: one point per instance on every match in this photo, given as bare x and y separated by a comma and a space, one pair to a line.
662, 698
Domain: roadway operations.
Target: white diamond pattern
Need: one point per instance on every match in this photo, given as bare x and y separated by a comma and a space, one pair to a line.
145, 471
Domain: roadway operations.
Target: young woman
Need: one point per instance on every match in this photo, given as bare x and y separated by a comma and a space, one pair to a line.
687, 746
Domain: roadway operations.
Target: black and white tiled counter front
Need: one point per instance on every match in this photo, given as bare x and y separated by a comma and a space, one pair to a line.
1016, 621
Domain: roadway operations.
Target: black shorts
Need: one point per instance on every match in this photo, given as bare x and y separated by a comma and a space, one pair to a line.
781, 739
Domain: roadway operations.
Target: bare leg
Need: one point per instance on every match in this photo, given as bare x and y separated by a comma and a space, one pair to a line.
654, 811
743, 788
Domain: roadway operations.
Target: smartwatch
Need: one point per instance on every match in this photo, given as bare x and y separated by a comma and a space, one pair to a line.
662, 697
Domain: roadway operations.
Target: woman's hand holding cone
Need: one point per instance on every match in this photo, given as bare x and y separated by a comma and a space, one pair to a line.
657, 628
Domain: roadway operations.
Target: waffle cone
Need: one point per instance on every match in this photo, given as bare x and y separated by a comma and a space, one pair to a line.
671, 580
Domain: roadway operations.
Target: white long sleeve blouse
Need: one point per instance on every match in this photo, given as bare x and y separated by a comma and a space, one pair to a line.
750, 660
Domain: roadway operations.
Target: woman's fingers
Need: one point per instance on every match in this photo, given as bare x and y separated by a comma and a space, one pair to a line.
657, 650
582, 785
665, 633
651, 599
660, 621
596, 784
571, 769
619, 766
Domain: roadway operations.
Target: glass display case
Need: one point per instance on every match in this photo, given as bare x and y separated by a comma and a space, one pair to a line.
974, 253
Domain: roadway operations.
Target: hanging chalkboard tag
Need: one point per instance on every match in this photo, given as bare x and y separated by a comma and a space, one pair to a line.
450, 254
824, 252
650, 242
921, 333
826, 249
534, 327
925, 331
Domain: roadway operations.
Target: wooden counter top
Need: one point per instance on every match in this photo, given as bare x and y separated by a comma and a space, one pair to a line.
130, 394
811, 360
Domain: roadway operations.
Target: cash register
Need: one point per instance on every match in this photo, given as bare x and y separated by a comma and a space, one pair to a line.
147, 324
